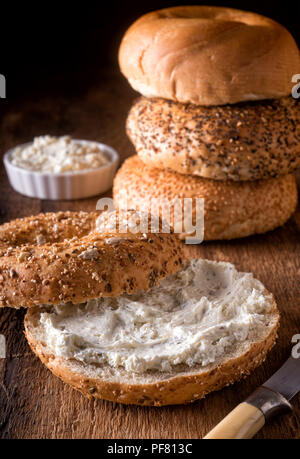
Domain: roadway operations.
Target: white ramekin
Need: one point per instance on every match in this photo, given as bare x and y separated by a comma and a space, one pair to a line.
65, 185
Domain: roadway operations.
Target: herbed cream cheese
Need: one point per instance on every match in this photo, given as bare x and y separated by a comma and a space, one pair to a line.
191, 319
58, 154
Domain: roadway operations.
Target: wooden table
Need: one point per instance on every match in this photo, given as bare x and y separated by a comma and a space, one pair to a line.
33, 402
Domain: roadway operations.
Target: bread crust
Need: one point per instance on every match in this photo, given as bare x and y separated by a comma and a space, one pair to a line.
60, 257
209, 56
248, 141
231, 209
162, 389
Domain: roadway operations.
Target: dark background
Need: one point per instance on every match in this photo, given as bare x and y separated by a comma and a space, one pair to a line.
66, 43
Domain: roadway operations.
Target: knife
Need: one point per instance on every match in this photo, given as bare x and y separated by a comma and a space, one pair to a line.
269, 400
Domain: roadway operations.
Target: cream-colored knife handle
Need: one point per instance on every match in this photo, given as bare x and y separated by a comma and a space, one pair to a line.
243, 422
250, 416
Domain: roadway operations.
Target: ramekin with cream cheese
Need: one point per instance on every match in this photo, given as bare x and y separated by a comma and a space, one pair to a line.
59, 154
61, 168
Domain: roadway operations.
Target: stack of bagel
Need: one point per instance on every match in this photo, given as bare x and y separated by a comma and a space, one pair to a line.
216, 118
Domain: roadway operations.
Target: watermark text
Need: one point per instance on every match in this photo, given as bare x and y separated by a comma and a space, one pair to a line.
184, 216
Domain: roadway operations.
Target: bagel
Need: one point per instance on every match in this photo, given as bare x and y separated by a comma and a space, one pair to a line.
66, 257
209, 56
248, 141
231, 209
201, 329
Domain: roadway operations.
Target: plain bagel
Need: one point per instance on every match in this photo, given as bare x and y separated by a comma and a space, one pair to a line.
63, 257
247, 141
232, 209
209, 56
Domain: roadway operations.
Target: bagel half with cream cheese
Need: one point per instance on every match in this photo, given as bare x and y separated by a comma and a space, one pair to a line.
202, 328
166, 331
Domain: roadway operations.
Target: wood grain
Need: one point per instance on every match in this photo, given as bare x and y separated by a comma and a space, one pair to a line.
35, 404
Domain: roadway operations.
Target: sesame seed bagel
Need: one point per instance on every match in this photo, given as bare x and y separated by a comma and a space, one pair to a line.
231, 209
247, 141
209, 56
63, 257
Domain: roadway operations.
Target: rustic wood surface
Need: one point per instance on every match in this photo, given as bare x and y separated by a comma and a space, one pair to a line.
33, 402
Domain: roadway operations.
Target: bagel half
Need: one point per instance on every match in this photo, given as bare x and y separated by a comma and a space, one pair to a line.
231, 209
184, 382
209, 56
249, 141
62, 257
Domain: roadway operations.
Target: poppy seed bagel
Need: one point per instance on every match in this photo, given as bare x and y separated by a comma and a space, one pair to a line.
248, 141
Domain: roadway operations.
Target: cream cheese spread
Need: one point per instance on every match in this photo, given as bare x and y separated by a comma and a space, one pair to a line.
58, 154
191, 318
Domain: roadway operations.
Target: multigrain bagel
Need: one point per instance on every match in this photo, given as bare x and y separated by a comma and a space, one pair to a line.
231, 209
247, 141
209, 56
62, 257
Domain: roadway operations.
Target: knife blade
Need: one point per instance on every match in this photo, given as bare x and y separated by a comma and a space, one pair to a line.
286, 380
